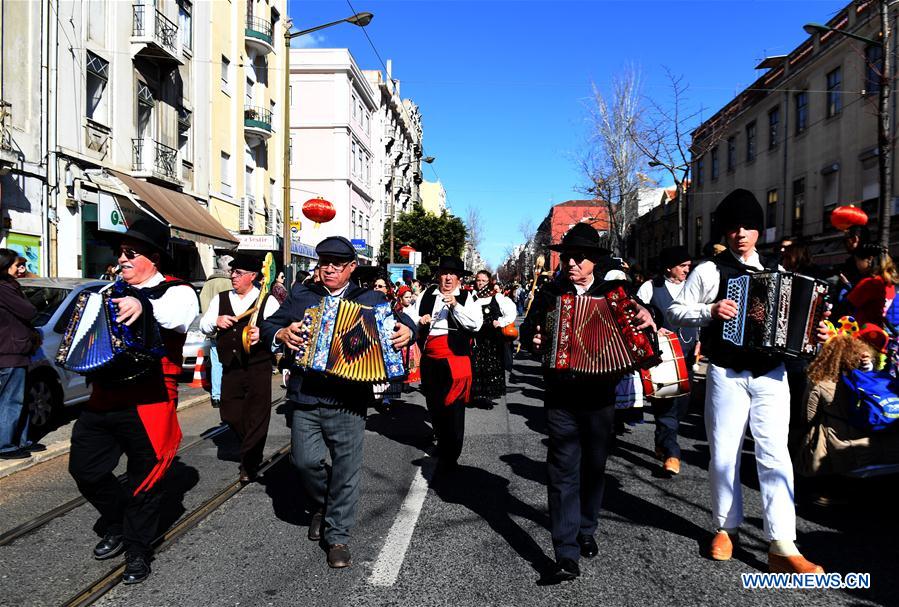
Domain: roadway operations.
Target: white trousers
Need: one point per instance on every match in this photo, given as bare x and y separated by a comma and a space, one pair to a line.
733, 400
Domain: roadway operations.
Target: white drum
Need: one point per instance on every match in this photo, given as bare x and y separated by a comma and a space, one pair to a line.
670, 378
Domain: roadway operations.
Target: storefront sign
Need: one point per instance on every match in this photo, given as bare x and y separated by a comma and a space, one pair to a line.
28, 247
115, 213
358, 244
303, 250
257, 242
396, 271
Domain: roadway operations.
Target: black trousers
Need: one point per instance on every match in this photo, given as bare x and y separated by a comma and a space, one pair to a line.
246, 406
98, 441
579, 443
448, 420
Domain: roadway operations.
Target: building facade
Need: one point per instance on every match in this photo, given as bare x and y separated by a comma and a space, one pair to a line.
561, 218
802, 138
433, 197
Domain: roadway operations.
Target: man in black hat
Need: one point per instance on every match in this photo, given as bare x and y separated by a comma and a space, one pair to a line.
137, 417
448, 318
246, 395
580, 409
742, 389
658, 293
327, 413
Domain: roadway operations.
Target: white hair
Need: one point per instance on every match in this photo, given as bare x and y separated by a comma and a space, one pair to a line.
224, 263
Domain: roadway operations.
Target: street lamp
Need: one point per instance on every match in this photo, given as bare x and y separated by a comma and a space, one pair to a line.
884, 141
680, 192
359, 19
427, 159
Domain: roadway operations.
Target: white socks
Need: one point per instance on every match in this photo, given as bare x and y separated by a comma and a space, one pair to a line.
783, 548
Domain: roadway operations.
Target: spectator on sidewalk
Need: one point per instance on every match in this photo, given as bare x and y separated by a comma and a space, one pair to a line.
17, 343
873, 294
218, 282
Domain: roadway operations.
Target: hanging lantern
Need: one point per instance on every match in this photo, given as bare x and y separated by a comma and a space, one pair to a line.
406, 251
319, 210
843, 218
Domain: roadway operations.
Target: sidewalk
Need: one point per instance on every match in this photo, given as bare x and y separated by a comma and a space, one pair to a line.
58, 442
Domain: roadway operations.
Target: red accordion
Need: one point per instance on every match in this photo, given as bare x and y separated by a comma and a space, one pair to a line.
596, 336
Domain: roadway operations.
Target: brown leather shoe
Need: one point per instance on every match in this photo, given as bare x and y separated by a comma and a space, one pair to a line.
671, 465
722, 547
338, 556
792, 564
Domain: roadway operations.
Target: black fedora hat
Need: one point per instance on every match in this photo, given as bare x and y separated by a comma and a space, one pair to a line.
581, 237
453, 264
145, 230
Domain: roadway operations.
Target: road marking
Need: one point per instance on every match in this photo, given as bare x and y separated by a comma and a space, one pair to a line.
387, 566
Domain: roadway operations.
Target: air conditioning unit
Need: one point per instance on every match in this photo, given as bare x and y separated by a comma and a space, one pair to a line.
247, 217
274, 224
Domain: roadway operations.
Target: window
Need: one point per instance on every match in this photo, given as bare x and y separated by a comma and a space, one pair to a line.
750, 141
146, 103
773, 126
249, 93
355, 105
184, 24
697, 236
700, 169
353, 223
366, 124
731, 153
771, 212
184, 138
226, 75
801, 103
834, 94
354, 168
715, 162
226, 174
873, 68
97, 78
798, 206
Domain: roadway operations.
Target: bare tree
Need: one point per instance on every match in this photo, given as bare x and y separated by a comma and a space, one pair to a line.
474, 225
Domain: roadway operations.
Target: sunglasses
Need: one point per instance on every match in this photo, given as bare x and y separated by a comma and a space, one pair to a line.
380, 285
128, 252
577, 257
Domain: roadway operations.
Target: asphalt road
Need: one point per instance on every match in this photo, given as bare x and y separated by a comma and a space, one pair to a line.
479, 540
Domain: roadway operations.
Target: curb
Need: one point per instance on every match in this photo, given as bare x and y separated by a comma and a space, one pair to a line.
62, 447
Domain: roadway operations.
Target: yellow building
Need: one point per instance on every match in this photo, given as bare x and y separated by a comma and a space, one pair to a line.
433, 197
246, 100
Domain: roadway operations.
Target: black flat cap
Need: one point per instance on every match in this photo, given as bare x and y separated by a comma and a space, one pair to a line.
337, 247
740, 208
245, 262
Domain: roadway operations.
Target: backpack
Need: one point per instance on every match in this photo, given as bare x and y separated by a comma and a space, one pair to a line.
876, 406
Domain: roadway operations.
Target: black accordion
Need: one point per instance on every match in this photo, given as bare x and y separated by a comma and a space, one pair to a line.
778, 312
97, 346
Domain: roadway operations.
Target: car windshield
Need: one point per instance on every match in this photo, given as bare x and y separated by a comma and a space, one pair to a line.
46, 300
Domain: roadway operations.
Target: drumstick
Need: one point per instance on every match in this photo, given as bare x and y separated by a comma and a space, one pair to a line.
245, 314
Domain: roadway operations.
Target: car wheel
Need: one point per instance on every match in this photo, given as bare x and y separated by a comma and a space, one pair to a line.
43, 401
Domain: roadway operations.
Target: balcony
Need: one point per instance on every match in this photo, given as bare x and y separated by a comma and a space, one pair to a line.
257, 124
259, 36
153, 160
154, 36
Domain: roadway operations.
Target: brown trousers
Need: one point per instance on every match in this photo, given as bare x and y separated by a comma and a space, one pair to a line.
246, 406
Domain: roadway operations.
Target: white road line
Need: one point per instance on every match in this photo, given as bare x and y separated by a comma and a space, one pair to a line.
387, 566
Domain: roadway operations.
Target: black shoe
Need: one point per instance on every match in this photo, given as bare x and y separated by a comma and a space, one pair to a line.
216, 403
111, 545
315, 525
36, 447
588, 546
566, 570
339, 556
137, 569
17, 454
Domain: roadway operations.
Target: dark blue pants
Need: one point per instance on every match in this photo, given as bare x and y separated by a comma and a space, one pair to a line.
669, 414
579, 444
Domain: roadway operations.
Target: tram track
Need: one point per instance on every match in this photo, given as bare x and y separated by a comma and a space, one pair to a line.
113, 577
19, 531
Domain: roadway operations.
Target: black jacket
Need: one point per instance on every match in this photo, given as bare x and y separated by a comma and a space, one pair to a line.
16, 332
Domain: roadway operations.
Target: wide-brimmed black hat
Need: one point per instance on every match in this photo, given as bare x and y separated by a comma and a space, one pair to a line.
145, 230
453, 264
740, 208
581, 237
673, 256
246, 262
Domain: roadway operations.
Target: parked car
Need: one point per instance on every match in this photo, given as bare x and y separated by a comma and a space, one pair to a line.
49, 388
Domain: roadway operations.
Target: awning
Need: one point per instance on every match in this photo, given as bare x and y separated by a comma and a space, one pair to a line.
186, 218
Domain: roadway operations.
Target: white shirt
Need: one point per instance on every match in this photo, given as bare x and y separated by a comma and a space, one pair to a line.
176, 308
581, 289
239, 305
507, 309
646, 289
468, 316
693, 305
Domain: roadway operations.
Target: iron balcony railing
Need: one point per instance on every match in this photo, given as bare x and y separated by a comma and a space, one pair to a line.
164, 159
257, 117
259, 29
165, 31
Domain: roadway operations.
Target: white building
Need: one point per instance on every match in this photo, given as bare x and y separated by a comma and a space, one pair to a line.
433, 197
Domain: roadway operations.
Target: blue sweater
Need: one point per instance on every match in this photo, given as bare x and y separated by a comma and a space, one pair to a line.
311, 388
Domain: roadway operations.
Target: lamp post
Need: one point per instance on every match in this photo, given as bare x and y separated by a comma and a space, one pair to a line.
884, 138
427, 159
359, 19
680, 192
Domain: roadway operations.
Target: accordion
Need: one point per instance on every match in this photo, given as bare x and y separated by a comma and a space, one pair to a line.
778, 312
97, 346
351, 341
596, 336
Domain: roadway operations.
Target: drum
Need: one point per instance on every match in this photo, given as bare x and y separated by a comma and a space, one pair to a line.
670, 378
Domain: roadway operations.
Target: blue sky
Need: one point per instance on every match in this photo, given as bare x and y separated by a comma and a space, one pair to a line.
503, 85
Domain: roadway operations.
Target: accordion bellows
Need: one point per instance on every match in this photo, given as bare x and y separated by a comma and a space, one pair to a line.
777, 312
97, 346
351, 341
596, 336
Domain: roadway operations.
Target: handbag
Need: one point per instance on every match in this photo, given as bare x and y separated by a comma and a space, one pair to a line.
876, 406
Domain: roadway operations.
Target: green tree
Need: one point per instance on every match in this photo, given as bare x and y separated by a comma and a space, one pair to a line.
433, 235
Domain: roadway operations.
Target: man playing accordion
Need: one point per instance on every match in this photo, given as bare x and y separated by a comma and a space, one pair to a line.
328, 413
136, 417
580, 409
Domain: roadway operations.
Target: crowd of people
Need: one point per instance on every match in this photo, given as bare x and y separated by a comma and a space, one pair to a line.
457, 338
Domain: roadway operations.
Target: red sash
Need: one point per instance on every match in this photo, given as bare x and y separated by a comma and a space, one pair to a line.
460, 369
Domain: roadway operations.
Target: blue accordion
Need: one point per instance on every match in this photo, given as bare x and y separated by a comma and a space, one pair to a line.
97, 346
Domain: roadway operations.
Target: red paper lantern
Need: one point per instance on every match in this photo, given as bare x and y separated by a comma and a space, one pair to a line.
406, 251
843, 218
319, 210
